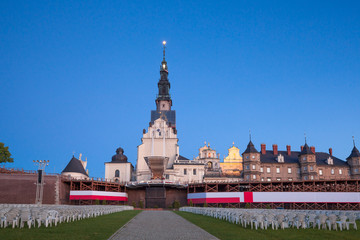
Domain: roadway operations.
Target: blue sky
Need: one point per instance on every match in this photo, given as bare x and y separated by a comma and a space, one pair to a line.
82, 76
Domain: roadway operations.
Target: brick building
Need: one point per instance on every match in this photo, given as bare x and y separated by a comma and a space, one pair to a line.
306, 164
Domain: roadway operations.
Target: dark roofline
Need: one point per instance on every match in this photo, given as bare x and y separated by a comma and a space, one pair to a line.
75, 166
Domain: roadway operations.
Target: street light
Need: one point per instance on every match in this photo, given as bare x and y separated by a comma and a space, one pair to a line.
40, 181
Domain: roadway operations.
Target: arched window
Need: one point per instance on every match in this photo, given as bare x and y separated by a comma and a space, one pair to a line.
117, 173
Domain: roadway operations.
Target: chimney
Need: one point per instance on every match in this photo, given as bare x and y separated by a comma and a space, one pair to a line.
275, 149
263, 148
312, 149
288, 149
330, 151
302, 148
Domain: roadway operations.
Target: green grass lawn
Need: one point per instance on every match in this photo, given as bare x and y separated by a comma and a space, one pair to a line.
225, 230
101, 227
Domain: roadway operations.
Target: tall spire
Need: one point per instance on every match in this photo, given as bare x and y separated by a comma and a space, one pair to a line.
163, 85
164, 44
353, 141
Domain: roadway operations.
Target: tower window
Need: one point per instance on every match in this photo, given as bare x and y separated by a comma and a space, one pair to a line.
185, 171
117, 173
194, 171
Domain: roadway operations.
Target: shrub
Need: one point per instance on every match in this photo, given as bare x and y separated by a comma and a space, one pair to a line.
220, 206
103, 202
156, 206
133, 204
141, 204
176, 204
97, 202
205, 204
191, 203
247, 205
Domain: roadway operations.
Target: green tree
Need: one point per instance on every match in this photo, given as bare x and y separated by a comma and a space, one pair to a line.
103, 202
97, 202
205, 204
133, 204
176, 204
191, 203
141, 204
5, 155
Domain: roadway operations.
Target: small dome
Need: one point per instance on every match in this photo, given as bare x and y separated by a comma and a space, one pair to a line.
119, 156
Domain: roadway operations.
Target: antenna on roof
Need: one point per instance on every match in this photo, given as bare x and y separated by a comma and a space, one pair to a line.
353, 140
250, 134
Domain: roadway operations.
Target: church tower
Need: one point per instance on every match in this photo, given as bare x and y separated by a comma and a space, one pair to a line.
163, 99
159, 142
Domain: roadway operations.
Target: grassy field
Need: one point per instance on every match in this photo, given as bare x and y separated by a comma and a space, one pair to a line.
101, 227
225, 230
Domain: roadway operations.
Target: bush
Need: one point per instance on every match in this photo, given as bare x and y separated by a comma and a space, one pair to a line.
247, 205
205, 204
220, 206
191, 203
176, 204
156, 206
133, 204
103, 202
97, 202
141, 204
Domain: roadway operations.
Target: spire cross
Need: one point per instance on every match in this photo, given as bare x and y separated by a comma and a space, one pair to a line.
305, 137
353, 140
164, 43
250, 134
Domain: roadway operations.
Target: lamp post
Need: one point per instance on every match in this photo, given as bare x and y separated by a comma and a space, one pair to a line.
40, 180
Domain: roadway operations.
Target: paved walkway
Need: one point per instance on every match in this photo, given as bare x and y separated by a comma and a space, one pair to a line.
160, 225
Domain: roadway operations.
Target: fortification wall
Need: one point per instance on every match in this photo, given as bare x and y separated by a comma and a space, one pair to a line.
21, 189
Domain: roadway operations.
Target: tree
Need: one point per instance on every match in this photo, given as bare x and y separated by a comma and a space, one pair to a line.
5, 155
141, 204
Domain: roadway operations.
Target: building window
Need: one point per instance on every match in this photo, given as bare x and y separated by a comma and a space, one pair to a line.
305, 168
268, 170
332, 171
247, 167
289, 170
253, 167
117, 173
185, 171
247, 177
166, 176
312, 177
277, 170
320, 172
298, 170
262, 179
268, 179
305, 178
194, 171
304, 158
356, 170
311, 168
340, 171
254, 176
290, 179
278, 179
247, 157
261, 169
253, 156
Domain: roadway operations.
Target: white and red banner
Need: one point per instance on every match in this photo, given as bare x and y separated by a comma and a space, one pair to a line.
275, 197
100, 195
